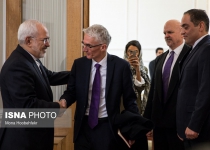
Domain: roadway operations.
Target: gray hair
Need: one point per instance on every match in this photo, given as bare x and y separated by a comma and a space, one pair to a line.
28, 28
99, 32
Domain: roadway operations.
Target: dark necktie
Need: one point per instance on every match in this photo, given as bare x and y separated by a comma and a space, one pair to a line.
166, 74
38, 62
95, 99
42, 71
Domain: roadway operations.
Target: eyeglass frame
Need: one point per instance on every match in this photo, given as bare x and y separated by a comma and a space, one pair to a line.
89, 46
45, 40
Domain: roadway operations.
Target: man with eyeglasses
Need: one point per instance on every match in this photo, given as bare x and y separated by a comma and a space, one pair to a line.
25, 83
97, 83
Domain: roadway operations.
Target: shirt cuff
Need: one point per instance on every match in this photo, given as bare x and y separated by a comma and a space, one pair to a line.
138, 83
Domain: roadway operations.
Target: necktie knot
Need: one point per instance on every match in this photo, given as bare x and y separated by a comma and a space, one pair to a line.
97, 66
172, 54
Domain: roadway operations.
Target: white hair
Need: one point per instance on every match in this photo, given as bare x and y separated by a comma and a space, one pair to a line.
28, 28
99, 32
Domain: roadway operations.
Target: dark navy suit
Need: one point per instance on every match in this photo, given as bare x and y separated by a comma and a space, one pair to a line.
23, 86
193, 101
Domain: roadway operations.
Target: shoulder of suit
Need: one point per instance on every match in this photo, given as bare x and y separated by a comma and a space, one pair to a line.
18, 56
115, 58
151, 62
186, 46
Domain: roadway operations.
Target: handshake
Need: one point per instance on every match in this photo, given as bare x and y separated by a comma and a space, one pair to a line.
62, 103
63, 106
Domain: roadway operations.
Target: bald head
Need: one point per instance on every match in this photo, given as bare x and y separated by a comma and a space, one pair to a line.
172, 31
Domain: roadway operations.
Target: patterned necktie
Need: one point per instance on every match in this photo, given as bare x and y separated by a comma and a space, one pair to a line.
166, 74
95, 99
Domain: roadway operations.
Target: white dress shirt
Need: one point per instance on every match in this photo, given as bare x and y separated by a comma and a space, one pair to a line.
103, 70
138, 83
177, 51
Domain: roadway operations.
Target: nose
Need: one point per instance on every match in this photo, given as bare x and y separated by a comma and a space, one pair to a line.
47, 44
166, 35
182, 31
84, 48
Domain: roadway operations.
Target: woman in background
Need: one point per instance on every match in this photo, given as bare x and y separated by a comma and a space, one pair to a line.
133, 55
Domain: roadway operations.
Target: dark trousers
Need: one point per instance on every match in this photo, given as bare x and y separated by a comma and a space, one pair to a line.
102, 138
99, 138
166, 139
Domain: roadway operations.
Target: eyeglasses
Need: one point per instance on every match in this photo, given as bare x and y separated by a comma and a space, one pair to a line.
89, 46
45, 40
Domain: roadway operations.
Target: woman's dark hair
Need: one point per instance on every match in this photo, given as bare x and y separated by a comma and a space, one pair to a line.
133, 43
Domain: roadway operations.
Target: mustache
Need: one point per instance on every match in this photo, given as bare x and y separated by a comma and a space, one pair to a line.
167, 38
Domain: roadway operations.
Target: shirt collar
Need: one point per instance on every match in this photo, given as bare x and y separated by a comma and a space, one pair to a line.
177, 50
196, 42
103, 62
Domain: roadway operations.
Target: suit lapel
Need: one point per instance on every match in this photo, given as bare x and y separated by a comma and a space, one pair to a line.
109, 73
189, 56
86, 70
45, 83
159, 76
193, 51
35, 67
175, 73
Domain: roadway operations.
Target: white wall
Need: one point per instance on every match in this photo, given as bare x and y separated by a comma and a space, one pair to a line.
141, 20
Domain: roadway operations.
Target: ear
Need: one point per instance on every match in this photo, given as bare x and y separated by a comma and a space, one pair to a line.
28, 41
202, 26
104, 47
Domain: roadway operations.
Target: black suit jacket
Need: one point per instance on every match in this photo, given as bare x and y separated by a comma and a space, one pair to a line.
164, 115
193, 105
118, 84
23, 86
151, 68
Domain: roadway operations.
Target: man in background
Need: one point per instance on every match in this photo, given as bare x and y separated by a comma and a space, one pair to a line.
158, 51
161, 104
25, 83
193, 102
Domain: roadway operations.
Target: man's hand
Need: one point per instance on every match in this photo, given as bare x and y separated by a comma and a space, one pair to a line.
62, 103
63, 107
150, 134
190, 134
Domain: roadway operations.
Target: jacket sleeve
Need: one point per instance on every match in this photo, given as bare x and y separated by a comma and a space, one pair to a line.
20, 88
